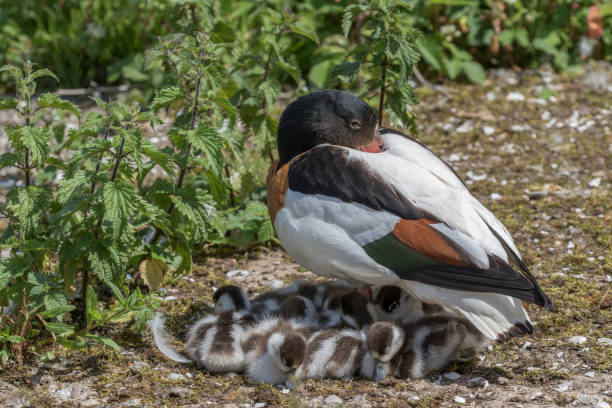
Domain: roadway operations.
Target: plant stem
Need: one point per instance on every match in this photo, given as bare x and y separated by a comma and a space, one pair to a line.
231, 190
93, 183
22, 330
382, 91
263, 102
26, 167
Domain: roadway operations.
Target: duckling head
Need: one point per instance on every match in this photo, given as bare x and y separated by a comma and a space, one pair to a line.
384, 340
287, 350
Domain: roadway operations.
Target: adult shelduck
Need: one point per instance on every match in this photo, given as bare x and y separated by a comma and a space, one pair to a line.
370, 205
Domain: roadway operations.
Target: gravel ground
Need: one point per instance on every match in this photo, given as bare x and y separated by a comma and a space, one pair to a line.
536, 148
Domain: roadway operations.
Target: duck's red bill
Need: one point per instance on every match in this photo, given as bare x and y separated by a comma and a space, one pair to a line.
366, 292
374, 147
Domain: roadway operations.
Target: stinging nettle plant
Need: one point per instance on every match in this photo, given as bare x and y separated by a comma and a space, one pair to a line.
381, 60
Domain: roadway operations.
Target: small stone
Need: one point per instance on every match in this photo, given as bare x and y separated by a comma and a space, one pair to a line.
488, 130
259, 405
454, 157
276, 284
459, 400
285, 390
595, 182
526, 345
590, 374
134, 402
564, 386
490, 96
333, 399
537, 194
176, 377
515, 97
570, 245
605, 340
577, 340
179, 392
478, 382
466, 127
602, 404
496, 196
170, 298
238, 273
453, 375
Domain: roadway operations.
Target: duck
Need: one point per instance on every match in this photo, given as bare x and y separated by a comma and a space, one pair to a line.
333, 353
414, 350
274, 349
353, 201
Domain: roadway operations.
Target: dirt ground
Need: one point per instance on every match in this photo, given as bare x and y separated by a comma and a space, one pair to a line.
536, 148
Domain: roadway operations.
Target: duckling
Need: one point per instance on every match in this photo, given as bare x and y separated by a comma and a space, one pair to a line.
347, 308
214, 342
392, 304
384, 340
274, 349
428, 344
230, 298
333, 353
299, 309
327, 289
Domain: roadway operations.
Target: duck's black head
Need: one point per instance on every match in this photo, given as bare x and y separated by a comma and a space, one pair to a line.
329, 116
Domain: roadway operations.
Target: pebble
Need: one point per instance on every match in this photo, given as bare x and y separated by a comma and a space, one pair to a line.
92, 402
515, 97
496, 196
238, 273
605, 340
490, 96
590, 374
502, 380
602, 404
259, 405
179, 392
478, 382
577, 340
526, 345
134, 402
176, 377
466, 127
453, 375
488, 130
454, 157
333, 399
276, 284
564, 386
285, 390
595, 182
459, 400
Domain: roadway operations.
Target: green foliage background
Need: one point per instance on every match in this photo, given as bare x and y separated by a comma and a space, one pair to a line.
95, 249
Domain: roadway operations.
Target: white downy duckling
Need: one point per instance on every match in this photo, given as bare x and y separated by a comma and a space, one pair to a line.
346, 308
214, 342
274, 350
428, 344
230, 298
392, 304
333, 353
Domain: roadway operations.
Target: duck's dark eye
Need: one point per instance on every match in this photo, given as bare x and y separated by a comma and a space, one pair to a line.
284, 361
355, 124
392, 307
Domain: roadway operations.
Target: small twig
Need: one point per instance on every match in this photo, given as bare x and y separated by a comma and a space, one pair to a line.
22, 330
602, 299
382, 91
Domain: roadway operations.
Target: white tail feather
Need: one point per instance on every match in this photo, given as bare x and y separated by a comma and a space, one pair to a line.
158, 327
491, 313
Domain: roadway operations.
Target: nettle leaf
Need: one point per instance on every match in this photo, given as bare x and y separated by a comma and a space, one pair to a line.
8, 103
266, 231
303, 29
51, 100
57, 311
28, 205
13, 267
92, 312
119, 204
44, 72
105, 261
196, 206
292, 70
67, 186
8, 160
207, 139
54, 300
346, 71
160, 158
153, 272
59, 329
167, 96
227, 106
36, 139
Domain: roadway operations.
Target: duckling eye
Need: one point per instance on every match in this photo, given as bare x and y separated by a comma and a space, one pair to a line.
284, 361
392, 307
355, 124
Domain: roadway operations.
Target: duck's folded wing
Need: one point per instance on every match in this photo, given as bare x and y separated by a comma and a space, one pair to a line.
433, 235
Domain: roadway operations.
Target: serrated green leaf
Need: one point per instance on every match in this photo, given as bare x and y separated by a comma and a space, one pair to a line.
227, 106
346, 71
54, 300
8, 103
28, 205
103, 340
292, 70
12, 339
183, 250
50, 100
207, 139
160, 158
119, 198
116, 291
105, 261
37, 140
8, 160
13, 267
167, 96
303, 29
44, 72
67, 187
